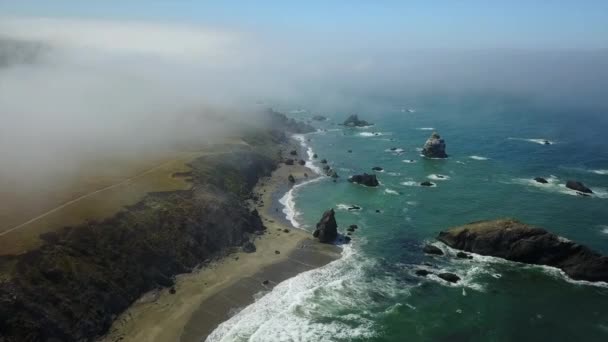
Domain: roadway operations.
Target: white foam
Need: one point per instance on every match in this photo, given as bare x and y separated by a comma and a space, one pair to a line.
394, 174
347, 207
478, 158
291, 310
391, 192
438, 177
397, 150
604, 229
425, 128
409, 183
370, 134
310, 163
289, 204
535, 140
600, 172
409, 161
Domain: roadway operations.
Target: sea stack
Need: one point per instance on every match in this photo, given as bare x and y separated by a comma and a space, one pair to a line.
364, 179
327, 228
516, 241
353, 121
434, 147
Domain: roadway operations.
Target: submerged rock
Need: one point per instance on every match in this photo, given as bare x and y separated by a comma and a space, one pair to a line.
323, 161
293, 152
301, 162
451, 277
463, 255
354, 121
364, 179
377, 168
319, 118
434, 147
516, 241
430, 249
315, 156
423, 273
426, 183
541, 180
332, 173
578, 186
327, 228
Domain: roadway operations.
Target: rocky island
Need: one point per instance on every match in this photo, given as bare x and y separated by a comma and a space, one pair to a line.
354, 121
516, 241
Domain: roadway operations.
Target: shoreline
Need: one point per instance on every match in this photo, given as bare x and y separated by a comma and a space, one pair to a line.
208, 296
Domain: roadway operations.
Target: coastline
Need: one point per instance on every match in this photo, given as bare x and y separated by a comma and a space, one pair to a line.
208, 296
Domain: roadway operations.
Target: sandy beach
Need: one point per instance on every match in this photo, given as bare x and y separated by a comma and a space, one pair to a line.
206, 297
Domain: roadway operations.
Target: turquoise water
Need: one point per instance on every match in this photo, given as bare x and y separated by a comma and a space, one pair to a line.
371, 293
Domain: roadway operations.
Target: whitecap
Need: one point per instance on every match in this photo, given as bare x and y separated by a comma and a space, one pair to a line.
600, 172
535, 140
397, 150
394, 174
348, 207
391, 192
478, 158
553, 185
604, 229
409, 161
310, 163
438, 177
370, 134
425, 128
409, 183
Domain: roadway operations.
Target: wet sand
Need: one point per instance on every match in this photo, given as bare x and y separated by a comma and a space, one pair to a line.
207, 297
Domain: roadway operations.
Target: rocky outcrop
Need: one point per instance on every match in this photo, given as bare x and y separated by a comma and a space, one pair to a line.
327, 228
377, 168
541, 180
426, 183
331, 173
291, 179
449, 277
578, 186
302, 162
288, 161
434, 147
364, 179
354, 121
430, 249
516, 241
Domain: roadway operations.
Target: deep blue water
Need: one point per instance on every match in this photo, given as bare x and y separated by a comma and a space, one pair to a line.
371, 294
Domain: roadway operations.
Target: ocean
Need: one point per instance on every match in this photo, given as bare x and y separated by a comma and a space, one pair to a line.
496, 147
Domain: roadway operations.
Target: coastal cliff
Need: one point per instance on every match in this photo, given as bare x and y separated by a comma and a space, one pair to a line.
83, 277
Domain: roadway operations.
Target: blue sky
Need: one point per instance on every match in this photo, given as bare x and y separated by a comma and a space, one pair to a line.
535, 24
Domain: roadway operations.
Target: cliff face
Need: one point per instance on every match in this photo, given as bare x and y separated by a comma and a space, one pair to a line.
74, 286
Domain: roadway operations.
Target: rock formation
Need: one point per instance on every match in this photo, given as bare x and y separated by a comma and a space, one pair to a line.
364, 179
434, 147
516, 241
430, 249
353, 121
327, 228
541, 180
377, 168
578, 186
319, 118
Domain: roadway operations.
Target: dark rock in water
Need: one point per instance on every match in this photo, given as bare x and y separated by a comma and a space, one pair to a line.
347, 239
265, 282
364, 179
451, 277
350, 229
332, 173
319, 118
288, 161
305, 175
291, 179
578, 186
249, 247
377, 168
463, 255
393, 149
541, 180
434, 147
323, 161
516, 241
430, 249
546, 142
353, 226
354, 207
293, 152
426, 183
301, 162
378, 211
315, 156
327, 228
353, 121
326, 167
423, 273
350, 151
